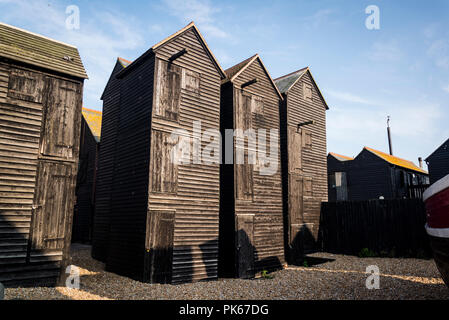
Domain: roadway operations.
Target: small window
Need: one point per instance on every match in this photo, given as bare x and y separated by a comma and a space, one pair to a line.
257, 105
306, 139
26, 85
307, 91
191, 81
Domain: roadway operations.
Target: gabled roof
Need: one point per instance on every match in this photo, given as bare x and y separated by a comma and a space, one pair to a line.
396, 160
445, 144
121, 64
233, 72
191, 25
285, 83
340, 157
93, 120
34, 49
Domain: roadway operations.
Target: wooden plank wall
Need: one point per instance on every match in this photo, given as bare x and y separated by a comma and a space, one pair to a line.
84, 208
314, 161
195, 251
129, 195
388, 227
106, 160
266, 205
39, 143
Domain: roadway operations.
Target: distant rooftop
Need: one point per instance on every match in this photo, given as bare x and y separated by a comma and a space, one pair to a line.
396, 160
93, 119
285, 82
340, 157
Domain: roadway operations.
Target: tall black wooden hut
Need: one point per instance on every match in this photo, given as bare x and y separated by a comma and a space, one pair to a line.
303, 145
163, 217
87, 176
438, 163
41, 85
106, 161
251, 221
374, 174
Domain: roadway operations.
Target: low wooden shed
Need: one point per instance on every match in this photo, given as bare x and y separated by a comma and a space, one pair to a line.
251, 221
41, 85
87, 176
164, 215
304, 169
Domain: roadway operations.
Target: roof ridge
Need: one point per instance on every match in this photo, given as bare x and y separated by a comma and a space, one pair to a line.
389, 158
239, 66
291, 73
87, 109
341, 155
37, 35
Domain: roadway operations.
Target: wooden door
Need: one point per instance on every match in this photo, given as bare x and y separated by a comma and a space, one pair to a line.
168, 91
62, 119
295, 216
294, 150
160, 244
163, 170
52, 206
245, 247
244, 189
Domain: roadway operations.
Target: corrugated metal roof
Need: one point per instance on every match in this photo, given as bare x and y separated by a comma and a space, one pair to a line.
93, 119
340, 157
37, 50
396, 161
284, 83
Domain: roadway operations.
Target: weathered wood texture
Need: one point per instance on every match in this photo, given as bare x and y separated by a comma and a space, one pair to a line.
40, 116
304, 163
251, 213
158, 97
438, 163
388, 227
85, 186
106, 161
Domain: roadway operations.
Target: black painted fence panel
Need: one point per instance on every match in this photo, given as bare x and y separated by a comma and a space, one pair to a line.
385, 227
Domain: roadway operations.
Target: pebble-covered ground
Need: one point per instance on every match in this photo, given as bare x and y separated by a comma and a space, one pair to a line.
327, 276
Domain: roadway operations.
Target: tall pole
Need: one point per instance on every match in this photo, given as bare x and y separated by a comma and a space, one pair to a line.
390, 143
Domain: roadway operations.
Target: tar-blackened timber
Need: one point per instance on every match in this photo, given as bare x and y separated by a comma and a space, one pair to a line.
304, 174
163, 217
87, 176
251, 218
106, 161
41, 85
438, 162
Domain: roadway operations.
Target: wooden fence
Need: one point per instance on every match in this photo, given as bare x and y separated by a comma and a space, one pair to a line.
386, 227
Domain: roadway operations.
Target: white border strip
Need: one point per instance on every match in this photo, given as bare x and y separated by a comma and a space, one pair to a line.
439, 233
437, 187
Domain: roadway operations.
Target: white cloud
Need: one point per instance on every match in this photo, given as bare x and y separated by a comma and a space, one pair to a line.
318, 18
446, 88
385, 51
349, 97
202, 12
439, 52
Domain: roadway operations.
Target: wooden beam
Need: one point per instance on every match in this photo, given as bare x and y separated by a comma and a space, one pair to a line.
247, 84
177, 55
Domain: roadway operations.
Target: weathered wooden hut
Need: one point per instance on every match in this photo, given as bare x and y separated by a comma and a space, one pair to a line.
41, 85
303, 145
164, 215
106, 161
87, 176
374, 174
251, 218
438, 163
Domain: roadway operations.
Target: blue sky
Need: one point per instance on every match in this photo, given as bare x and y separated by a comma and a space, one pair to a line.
401, 70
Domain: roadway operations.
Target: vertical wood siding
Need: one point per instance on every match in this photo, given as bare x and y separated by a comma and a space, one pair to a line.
40, 118
314, 161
